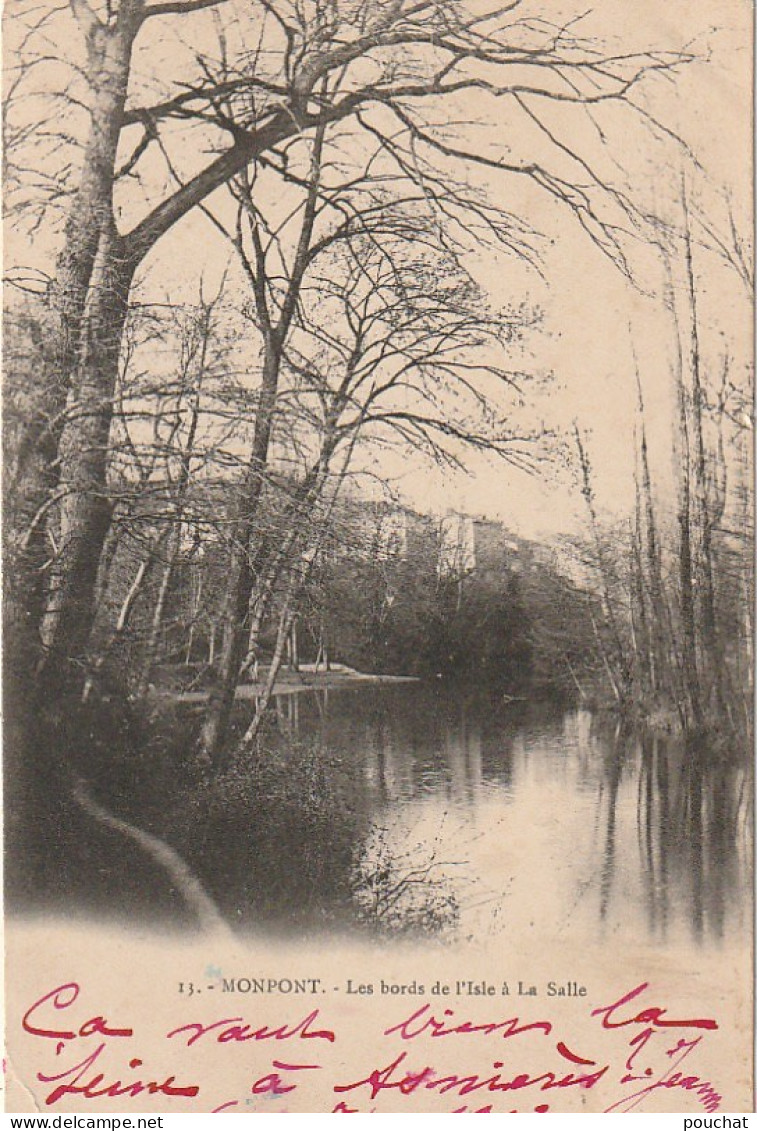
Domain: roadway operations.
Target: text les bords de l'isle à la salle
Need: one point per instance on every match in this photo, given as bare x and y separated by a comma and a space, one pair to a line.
460, 987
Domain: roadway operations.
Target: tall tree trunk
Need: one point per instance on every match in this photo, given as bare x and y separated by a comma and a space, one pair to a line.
646, 667
234, 615
78, 308
711, 658
254, 574
181, 491
308, 551
613, 657
660, 634
156, 622
123, 620
108, 63
688, 649
83, 456
286, 620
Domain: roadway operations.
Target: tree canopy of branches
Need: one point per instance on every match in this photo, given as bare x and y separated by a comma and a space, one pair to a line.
396, 72
386, 341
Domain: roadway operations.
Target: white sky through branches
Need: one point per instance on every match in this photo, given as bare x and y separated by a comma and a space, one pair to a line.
595, 325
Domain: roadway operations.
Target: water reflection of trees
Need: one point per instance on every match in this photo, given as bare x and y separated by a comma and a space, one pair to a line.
413, 739
693, 818
349, 819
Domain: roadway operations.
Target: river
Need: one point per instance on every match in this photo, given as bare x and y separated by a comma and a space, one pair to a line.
413, 809
529, 818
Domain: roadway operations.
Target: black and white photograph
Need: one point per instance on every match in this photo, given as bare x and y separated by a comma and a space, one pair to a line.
378, 555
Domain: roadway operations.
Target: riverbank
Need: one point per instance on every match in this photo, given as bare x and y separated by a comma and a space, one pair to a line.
307, 678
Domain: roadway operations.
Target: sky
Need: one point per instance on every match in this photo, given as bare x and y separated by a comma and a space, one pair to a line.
596, 326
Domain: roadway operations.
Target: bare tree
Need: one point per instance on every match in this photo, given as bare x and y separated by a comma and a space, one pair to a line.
281, 70
668, 625
378, 340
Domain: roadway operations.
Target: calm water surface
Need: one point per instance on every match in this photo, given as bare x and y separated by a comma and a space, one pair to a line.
476, 819
413, 809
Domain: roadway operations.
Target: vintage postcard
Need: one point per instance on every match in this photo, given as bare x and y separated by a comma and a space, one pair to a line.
378, 534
